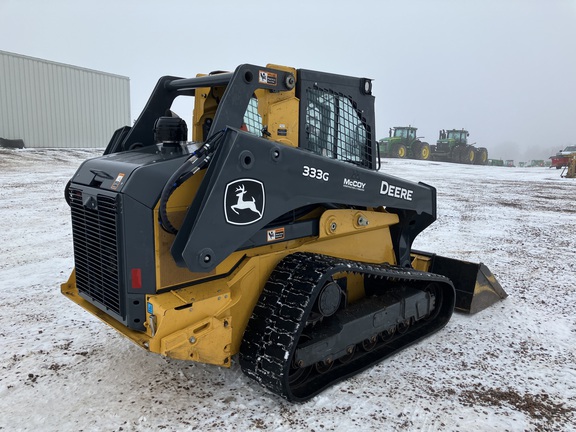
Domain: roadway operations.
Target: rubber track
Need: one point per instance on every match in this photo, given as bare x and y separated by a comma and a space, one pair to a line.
279, 318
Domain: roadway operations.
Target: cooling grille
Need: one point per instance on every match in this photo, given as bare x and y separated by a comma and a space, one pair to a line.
94, 230
443, 146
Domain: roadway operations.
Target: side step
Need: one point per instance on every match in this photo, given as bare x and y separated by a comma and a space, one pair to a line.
476, 287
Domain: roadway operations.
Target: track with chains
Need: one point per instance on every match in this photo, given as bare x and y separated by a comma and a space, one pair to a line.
284, 322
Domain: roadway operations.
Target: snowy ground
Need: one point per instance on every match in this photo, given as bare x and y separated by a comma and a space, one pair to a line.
509, 368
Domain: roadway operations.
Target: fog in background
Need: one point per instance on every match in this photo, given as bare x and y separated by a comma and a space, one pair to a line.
503, 69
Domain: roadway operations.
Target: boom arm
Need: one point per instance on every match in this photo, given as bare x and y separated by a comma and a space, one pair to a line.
273, 180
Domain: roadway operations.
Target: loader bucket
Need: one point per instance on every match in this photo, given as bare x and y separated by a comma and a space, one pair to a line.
476, 287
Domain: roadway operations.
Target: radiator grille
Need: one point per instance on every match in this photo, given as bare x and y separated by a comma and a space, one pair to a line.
96, 249
442, 146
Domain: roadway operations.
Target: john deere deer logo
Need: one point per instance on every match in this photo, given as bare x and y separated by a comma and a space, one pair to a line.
241, 204
244, 201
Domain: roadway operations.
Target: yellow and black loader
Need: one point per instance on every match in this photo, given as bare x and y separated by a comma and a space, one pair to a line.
272, 234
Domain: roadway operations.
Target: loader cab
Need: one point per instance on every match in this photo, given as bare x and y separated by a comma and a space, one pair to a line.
459, 136
405, 132
400, 133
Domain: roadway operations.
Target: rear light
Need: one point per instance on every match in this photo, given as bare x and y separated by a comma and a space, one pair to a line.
136, 278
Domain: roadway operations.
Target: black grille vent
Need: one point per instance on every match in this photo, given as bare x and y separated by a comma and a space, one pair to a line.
96, 249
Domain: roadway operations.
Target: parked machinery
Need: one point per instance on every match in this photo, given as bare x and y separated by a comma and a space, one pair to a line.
453, 146
569, 170
402, 142
563, 157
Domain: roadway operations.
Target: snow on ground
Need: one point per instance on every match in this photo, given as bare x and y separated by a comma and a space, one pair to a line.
509, 368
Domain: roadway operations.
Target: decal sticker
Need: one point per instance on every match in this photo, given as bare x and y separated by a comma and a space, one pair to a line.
395, 191
315, 173
354, 184
267, 78
275, 234
118, 180
244, 201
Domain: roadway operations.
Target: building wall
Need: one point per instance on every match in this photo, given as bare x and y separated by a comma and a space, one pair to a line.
54, 105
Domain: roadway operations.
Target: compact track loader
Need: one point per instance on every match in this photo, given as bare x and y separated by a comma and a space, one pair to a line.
271, 234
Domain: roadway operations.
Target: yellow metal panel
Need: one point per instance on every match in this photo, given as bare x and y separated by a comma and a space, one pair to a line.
280, 111
420, 262
206, 342
196, 323
168, 274
356, 235
70, 290
205, 106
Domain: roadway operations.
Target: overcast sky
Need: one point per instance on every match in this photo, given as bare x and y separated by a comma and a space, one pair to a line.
503, 69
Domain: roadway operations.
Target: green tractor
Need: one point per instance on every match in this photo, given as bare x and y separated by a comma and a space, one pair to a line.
452, 146
402, 142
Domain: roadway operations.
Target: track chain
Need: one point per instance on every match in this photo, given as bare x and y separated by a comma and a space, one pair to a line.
282, 312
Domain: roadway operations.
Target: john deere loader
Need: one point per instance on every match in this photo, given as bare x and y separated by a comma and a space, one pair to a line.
269, 238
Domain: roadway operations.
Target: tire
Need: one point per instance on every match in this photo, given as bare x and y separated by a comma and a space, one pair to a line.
425, 153
415, 150
468, 155
481, 156
399, 151
456, 154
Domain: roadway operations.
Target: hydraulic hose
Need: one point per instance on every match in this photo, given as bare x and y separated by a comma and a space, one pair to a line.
197, 160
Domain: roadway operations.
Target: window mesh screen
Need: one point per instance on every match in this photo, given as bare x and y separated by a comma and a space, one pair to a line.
335, 129
253, 120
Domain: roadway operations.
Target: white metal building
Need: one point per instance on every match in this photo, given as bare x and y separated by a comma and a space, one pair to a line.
49, 104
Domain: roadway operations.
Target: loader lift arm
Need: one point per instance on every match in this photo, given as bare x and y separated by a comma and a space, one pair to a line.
241, 156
